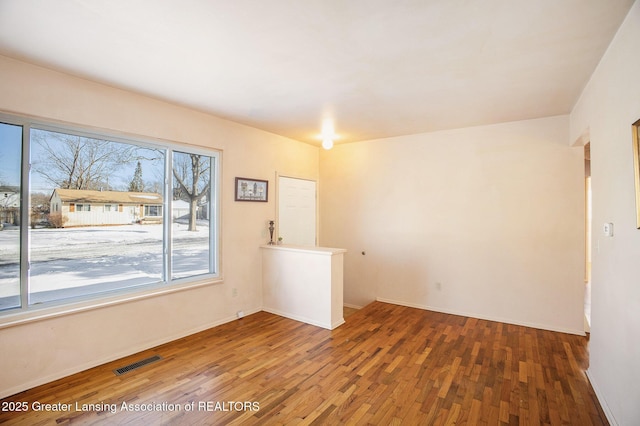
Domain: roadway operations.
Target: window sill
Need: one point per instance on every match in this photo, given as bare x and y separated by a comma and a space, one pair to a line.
38, 314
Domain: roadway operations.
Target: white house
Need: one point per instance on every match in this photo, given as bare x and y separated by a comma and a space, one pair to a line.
179, 208
87, 208
9, 205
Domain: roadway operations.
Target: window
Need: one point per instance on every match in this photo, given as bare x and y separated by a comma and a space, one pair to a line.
192, 184
76, 249
10, 215
153, 211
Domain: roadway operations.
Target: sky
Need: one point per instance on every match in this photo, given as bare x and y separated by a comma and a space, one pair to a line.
10, 158
10, 154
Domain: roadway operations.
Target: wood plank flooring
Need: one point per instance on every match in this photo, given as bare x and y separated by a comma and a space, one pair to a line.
387, 365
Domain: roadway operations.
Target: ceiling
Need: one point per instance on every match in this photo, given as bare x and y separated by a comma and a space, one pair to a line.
377, 68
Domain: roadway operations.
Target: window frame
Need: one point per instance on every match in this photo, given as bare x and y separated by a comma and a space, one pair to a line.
149, 207
27, 312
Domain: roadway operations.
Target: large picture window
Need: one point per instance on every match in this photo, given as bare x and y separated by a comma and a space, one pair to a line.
103, 215
10, 214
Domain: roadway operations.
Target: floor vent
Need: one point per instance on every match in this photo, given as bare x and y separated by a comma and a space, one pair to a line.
120, 371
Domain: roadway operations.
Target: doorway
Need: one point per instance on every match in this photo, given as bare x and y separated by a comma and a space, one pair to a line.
297, 211
587, 229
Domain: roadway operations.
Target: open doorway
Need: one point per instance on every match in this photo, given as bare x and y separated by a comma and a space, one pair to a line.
587, 272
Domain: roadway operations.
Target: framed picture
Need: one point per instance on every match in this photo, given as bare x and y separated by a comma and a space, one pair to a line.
252, 189
636, 165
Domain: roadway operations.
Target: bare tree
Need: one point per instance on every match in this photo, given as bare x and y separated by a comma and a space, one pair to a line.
153, 186
40, 204
191, 175
76, 162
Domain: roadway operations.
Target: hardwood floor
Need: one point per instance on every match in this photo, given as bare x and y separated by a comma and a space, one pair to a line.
386, 365
347, 312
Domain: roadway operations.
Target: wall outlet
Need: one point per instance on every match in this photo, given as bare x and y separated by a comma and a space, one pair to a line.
607, 229
234, 292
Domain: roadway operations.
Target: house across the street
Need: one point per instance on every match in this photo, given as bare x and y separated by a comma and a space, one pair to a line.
88, 208
10, 205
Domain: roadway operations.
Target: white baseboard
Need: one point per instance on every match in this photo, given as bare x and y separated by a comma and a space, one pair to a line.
349, 305
483, 317
299, 318
603, 402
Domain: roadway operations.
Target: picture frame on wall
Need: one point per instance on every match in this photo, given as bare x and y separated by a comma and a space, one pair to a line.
252, 190
636, 166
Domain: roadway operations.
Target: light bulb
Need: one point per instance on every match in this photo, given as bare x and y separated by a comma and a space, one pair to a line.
327, 144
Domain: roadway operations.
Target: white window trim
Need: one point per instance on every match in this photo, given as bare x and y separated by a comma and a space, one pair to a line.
30, 313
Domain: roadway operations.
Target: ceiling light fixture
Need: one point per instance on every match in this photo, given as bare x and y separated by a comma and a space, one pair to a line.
328, 135
327, 143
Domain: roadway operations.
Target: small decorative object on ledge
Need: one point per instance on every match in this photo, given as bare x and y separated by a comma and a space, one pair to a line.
252, 189
271, 229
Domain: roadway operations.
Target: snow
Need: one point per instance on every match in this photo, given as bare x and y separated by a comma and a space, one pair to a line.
79, 261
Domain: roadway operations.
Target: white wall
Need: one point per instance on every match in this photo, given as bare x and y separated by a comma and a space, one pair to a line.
608, 106
304, 284
486, 221
38, 352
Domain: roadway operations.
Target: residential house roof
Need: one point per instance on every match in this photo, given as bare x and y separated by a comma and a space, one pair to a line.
120, 197
8, 188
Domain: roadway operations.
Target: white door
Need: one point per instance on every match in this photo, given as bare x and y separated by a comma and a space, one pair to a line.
297, 211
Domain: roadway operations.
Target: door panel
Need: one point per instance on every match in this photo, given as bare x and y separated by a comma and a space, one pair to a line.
297, 211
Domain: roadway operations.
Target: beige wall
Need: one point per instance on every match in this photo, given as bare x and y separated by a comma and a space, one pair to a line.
486, 221
608, 106
41, 351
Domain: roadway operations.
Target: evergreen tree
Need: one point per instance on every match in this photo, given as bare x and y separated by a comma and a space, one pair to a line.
137, 184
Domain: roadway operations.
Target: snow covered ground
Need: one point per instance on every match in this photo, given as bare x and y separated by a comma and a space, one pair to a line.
79, 261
